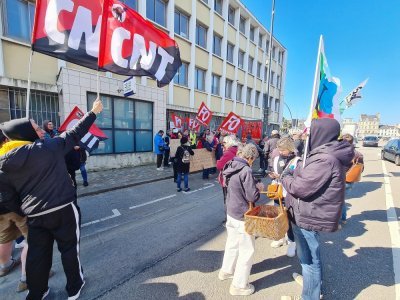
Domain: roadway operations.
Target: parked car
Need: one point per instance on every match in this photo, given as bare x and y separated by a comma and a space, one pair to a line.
391, 151
370, 141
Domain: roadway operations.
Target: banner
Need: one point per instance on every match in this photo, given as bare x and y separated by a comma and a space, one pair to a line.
324, 102
68, 30
178, 122
253, 128
204, 114
231, 123
104, 35
193, 124
353, 97
91, 140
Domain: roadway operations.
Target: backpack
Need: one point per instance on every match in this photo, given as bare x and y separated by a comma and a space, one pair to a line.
185, 156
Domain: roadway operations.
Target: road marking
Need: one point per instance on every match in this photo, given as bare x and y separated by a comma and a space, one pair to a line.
115, 214
393, 229
207, 186
151, 202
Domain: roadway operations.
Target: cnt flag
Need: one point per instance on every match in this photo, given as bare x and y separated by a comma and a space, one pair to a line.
92, 139
324, 103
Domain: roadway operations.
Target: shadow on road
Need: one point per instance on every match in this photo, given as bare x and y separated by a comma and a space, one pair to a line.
360, 189
165, 291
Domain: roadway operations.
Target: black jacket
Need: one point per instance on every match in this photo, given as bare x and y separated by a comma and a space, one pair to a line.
9, 200
38, 172
180, 166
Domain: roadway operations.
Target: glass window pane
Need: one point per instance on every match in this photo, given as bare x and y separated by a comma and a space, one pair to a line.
176, 23
143, 115
144, 141
160, 12
184, 26
150, 9
105, 118
123, 114
106, 145
123, 141
18, 24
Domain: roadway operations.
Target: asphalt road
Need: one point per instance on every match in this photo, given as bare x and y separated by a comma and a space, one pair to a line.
151, 242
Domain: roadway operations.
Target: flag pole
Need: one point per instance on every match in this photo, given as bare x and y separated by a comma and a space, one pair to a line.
28, 93
313, 97
98, 85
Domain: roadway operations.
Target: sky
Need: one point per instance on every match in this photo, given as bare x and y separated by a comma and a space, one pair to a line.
361, 38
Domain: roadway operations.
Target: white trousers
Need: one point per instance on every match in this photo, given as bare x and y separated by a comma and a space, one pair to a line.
239, 250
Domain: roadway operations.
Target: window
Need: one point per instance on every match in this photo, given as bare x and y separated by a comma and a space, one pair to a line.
259, 70
229, 52
274, 52
278, 81
43, 105
131, 3
217, 41
271, 80
250, 65
277, 105
241, 59
215, 84
252, 33
18, 21
265, 73
200, 79
127, 123
205, 1
239, 92
181, 77
260, 43
267, 46
265, 101
242, 25
248, 96
231, 15
218, 6
201, 36
181, 24
271, 101
257, 100
156, 10
281, 57
228, 89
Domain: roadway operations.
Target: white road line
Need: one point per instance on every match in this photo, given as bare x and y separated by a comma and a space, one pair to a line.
393, 229
115, 214
207, 186
151, 202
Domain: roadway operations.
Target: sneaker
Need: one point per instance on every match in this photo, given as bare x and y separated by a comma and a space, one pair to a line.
224, 276
76, 296
46, 294
291, 298
179, 190
187, 190
22, 286
277, 244
5, 271
85, 183
291, 249
298, 278
248, 290
159, 169
344, 222
20, 245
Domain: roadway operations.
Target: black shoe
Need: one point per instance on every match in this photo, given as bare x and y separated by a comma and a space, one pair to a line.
187, 190
85, 183
179, 190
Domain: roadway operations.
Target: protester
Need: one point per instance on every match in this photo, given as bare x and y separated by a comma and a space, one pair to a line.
315, 195
261, 144
219, 151
285, 159
159, 148
230, 144
167, 148
298, 144
12, 226
270, 146
35, 167
242, 189
182, 156
204, 144
192, 138
48, 127
174, 134
82, 167
73, 162
358, 157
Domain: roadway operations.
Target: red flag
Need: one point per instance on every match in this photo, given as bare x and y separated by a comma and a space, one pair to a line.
253, 128
193, 124
91, 140
231, 123
204, 114
131, 45
178, 122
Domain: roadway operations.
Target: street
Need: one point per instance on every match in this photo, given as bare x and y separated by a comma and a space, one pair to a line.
152, 242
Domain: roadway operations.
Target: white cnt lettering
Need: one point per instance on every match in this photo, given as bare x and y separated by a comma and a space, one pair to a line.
165, 59
54, 7
83, 25
139, 50
119, 35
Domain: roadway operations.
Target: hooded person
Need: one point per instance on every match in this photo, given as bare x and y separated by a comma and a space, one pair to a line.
315, 195
270, 146
36, 169
48, 127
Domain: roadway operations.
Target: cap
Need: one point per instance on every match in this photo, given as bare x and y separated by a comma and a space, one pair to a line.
274, 132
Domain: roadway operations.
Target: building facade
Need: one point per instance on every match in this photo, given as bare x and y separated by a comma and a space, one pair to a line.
224, 51
387, 131
368, 125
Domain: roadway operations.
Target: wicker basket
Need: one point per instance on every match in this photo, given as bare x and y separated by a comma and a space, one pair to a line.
267, 221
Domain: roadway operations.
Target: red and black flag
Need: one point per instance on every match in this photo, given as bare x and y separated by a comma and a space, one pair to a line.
92, 139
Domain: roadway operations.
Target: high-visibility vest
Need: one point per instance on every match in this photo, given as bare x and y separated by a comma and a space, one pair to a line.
192, 137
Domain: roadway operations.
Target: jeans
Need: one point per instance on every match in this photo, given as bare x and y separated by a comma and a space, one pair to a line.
185, 180
308, 252
349, 186
83, 172
238, 255
166, 158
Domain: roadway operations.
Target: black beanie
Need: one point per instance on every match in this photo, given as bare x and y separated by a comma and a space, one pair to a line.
19, 130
